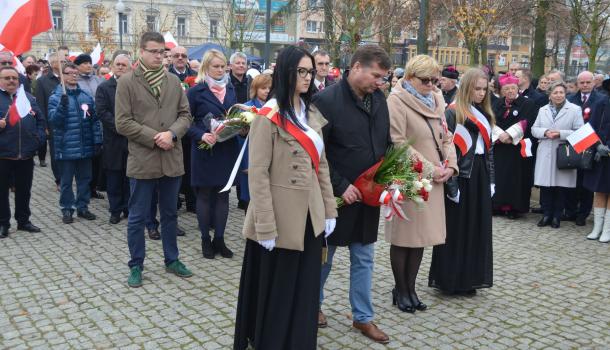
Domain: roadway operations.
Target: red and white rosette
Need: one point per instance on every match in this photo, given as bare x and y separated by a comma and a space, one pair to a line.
391, 200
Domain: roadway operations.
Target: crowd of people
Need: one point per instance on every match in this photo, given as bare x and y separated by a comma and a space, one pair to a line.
141, 132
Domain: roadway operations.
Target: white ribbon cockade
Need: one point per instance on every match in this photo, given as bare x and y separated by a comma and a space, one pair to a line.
85, 108
391, 200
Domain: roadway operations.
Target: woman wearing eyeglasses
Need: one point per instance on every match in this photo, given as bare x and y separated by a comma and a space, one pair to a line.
291, 205
417, 116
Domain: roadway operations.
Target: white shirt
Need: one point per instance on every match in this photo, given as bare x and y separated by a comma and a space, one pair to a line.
317, 83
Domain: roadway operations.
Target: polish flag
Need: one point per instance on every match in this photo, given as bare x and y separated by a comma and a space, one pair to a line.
21, 20
583, 138
526, 148
97, 55
20, 108
462, 138
170, 42
73, 54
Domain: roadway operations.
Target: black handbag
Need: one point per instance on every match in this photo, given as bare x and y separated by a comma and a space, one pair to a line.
568, 158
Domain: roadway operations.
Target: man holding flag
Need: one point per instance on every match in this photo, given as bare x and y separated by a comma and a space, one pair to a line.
21, 133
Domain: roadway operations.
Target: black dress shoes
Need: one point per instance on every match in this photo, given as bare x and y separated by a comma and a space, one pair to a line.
580, 221
43, 164
67, 218
545, 221
180, 232
221, 248
417, 304
86, 214
207, 249
154, 234
28, 227
3, 231
115, 218
555, 223
97, 195
403, 302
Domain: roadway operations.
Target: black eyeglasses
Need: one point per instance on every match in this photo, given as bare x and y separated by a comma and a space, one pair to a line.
427, 81
304, 71
178, 55
6, 63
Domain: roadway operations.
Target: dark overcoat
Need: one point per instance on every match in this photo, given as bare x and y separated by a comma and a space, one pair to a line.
598, 178
355, 140
115, 145
210, 167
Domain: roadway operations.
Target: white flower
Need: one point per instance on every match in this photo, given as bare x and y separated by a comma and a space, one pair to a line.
428, 187
425, 182
418, 199
248, 117
417, 185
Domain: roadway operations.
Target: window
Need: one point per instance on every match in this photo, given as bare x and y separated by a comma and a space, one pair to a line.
213, 28
311, 26
181, 26
321, 27
94, 23
313, 3
123, 23
151, 23
58, 20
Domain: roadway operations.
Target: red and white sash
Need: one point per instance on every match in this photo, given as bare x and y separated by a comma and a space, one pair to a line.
482, 124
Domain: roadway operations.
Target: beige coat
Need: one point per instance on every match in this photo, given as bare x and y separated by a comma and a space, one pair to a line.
284, 186
426, 226
139, 117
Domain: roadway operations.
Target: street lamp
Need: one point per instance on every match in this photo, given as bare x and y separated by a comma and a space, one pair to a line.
120, 8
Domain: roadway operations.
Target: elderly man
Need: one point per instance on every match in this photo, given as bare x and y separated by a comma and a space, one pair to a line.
114, 156
514, 67
239, 79
598, 80
19, 140
152, 112
28, 60
321, 80
448, 81
179, 63
555, 75
7, 59
194, 65
579, 201
77, 137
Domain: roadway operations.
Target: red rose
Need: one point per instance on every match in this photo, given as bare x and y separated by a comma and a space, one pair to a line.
424, 194
190, 81
418, 166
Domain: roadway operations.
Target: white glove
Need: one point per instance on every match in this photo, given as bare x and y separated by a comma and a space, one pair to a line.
455, 199
330, 227
492, 188
268, 244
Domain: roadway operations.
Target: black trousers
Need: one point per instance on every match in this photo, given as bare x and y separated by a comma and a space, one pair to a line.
579, 200
54, 164
42, 152
22, 171
552, 200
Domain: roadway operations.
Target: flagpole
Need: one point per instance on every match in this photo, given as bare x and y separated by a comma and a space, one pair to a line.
61, 76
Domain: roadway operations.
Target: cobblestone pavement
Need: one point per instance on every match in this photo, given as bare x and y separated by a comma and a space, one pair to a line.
66, 288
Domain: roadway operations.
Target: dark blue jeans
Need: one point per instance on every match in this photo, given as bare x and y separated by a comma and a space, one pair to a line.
151, 221
139, 208
117, 188
80, 170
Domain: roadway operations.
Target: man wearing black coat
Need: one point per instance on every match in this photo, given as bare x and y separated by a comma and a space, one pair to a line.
44, 89
114, 156
19, 141
356, 137
527, 90
579, 200
321, 81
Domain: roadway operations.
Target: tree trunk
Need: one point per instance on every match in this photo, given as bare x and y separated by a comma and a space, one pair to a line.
422, 31
592, 54
473, 52
483, 59
540, 38
329, 32
556, 51
568, 59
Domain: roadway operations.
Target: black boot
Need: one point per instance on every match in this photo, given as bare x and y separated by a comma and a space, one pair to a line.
207, 249
221, 248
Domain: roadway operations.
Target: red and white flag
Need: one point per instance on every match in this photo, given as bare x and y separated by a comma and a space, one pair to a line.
97, 55
21, 20
20, 108
170, 42
583, 138
462, 138
526, 148
73, 54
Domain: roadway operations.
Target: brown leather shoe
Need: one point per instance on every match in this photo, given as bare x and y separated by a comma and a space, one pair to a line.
322, 320
371, 331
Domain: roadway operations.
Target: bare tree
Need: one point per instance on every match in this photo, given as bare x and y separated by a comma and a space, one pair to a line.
590, 20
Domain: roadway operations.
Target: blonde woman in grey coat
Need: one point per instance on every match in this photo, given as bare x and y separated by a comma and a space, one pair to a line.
555, 122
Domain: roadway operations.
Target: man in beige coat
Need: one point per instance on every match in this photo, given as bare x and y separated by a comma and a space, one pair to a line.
152, 111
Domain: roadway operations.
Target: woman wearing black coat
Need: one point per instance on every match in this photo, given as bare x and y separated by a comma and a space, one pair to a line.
598, 179
210, 169
114, 156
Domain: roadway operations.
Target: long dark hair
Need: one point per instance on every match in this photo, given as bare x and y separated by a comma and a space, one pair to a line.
285, 81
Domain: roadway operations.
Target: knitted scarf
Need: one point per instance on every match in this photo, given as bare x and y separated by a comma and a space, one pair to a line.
428, 100
218, 86
154, 77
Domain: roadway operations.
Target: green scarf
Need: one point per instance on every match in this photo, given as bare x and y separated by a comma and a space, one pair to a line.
154, 77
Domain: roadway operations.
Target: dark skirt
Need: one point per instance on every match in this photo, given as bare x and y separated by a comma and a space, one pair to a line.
278, 302
598, 178
464, 262
513, 178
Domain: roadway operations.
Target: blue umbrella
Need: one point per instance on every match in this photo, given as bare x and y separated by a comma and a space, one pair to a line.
198, 51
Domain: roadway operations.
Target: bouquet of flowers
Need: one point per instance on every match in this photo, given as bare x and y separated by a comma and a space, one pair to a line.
238, 118
395, 178
189, 82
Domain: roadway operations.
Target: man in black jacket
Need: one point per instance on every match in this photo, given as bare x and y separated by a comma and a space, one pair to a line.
19, 141
180, 66
526, 89
356, 137
114, 155
7, 59
44, 89
321, 80
579, 200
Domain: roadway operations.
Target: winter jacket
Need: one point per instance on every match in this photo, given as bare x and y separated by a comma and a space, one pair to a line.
22, 140
75, 133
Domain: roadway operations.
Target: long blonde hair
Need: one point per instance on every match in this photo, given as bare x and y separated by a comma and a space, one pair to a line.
463, 98
208, 56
